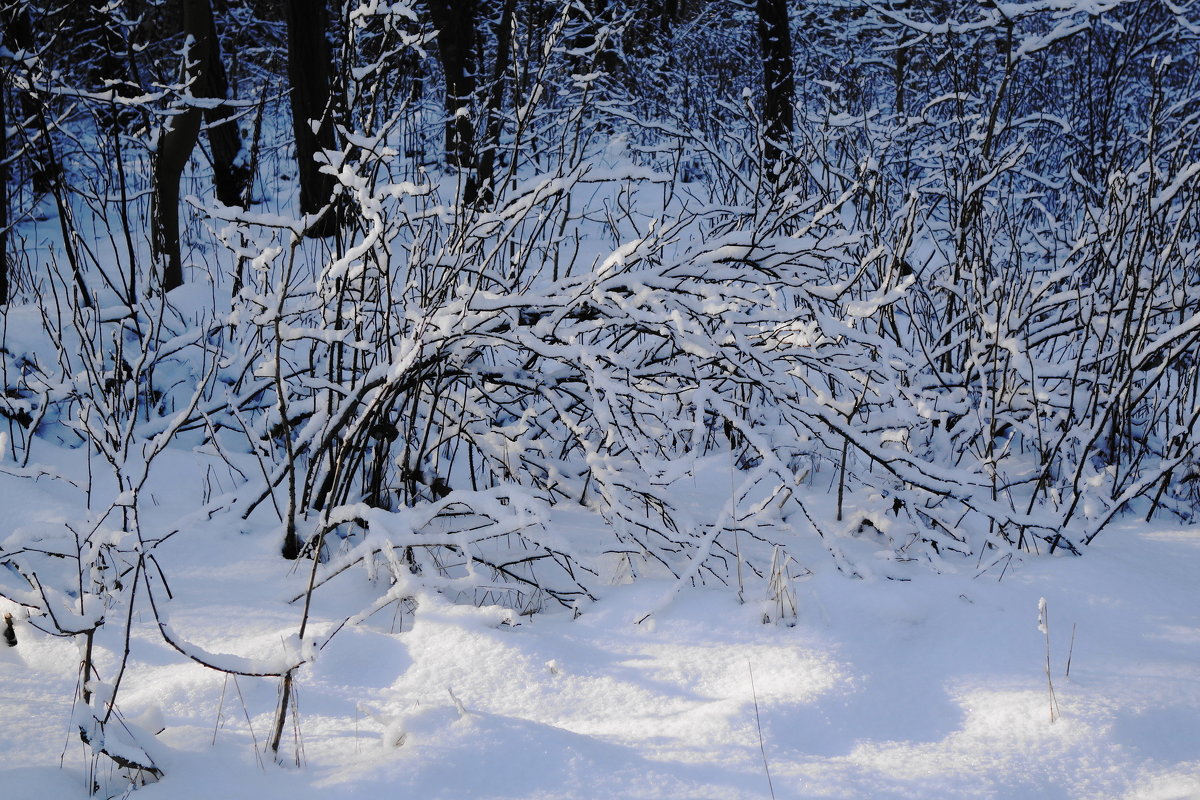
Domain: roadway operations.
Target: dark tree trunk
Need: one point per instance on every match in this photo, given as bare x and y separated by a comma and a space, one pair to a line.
457, 47
108, 64
482, 185
309, 67
231, 170
608, 59
649, 29
111, 68
175, 147
18, 36
779, 84
4, 215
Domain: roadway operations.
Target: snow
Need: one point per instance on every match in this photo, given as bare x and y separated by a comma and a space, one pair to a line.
932, 687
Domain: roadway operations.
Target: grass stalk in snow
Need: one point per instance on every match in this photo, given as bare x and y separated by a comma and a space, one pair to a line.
220, 710
782, 595
1044, 627
1070, 652
758, 723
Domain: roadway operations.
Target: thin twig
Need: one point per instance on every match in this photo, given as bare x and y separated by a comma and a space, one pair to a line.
758, 721
1070, 651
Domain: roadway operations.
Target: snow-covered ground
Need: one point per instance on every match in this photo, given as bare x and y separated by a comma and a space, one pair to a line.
933, 687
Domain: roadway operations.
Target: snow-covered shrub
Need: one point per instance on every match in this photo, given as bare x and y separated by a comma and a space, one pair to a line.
963, 320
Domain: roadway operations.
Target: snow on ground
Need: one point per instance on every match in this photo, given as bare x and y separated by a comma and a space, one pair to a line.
928, 688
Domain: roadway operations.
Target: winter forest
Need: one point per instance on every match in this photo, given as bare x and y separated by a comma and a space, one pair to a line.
600, 398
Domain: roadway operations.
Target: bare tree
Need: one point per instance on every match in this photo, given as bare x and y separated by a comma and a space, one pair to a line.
204, 76
231, 172
309, 66
18, 38
458, 51
3, 199
779, 83
480, 186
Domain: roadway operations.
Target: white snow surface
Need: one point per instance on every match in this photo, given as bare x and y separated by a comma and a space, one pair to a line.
932, 687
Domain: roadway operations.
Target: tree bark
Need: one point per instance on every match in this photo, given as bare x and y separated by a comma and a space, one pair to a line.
112, 67
309, 67
231, 171
608, 59
108, 65
650, 29
481, 186
457, 47
175, 146
4, 215
18, 36
779, 83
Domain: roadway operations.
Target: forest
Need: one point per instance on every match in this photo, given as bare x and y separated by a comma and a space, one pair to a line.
496, 305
